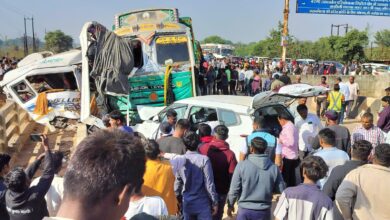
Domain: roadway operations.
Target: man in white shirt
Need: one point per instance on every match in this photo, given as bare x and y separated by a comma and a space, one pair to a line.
294, 105
248, 75
308, 125
353, 95
151, 205
344, 89
55, 194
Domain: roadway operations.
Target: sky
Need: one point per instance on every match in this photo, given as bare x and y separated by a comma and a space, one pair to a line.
236, 20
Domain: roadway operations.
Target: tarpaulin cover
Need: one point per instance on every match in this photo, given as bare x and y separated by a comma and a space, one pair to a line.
113, 62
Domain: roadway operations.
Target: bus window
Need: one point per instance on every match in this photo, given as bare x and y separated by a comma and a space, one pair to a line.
172, 47
45, 82
23, 91
137, 53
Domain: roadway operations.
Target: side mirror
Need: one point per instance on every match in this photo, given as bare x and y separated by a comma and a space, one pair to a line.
155, 118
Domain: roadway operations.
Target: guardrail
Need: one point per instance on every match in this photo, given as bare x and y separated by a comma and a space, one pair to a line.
15, 127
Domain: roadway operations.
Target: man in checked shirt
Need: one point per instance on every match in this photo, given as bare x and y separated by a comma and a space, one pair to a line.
368, 131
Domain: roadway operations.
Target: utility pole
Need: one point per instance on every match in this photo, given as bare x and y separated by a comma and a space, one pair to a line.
331, 30
25, 38
338, 28
285, 29
33, 35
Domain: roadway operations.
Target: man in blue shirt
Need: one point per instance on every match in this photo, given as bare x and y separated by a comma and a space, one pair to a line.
117, 120
195, 183
329, 153
259, 130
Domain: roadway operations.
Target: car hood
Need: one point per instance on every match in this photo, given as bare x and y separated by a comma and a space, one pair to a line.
147, 112
286, 94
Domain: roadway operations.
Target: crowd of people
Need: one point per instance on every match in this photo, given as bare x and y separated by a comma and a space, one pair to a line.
224, 76
320, 172
7, 64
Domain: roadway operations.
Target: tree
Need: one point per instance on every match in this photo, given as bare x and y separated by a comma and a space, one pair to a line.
57, 41
351, 46
382, 38
216, 40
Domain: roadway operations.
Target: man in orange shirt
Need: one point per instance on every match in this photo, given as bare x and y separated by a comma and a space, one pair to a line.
158, 178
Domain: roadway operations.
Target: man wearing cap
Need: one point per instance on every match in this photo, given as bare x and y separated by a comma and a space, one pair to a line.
165, 130
335, 100
343, 137
171, 120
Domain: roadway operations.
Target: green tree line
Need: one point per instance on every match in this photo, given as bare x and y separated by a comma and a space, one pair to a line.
353, 46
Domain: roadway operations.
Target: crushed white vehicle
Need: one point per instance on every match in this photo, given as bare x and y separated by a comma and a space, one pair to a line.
55, 79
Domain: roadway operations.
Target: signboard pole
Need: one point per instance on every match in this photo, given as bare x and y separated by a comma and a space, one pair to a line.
285, 29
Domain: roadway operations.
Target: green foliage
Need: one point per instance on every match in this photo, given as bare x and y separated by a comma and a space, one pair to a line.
57, 41
216, 40
382, 38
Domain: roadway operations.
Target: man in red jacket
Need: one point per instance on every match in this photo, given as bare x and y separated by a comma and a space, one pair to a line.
223, 162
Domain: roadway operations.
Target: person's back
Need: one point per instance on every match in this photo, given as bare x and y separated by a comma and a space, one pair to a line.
343, 137
276, 84
364, 193
335, 101
194, 189
372, 183
271, 141
285, 79
259, 177
360, 152
331, 155
172, 144
159, 181
254, 181
195, 182
306, 201
55, 194
28, 203
223, 161
151, 205
4, 169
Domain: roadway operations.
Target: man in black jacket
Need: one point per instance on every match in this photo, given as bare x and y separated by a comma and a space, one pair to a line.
4, 169
24, 202
360, 152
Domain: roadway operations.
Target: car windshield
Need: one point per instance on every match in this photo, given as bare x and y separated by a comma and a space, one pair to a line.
173, 48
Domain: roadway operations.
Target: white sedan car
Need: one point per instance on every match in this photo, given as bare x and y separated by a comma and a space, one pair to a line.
236, 112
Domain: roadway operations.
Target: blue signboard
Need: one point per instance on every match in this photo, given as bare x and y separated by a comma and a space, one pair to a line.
345, 7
